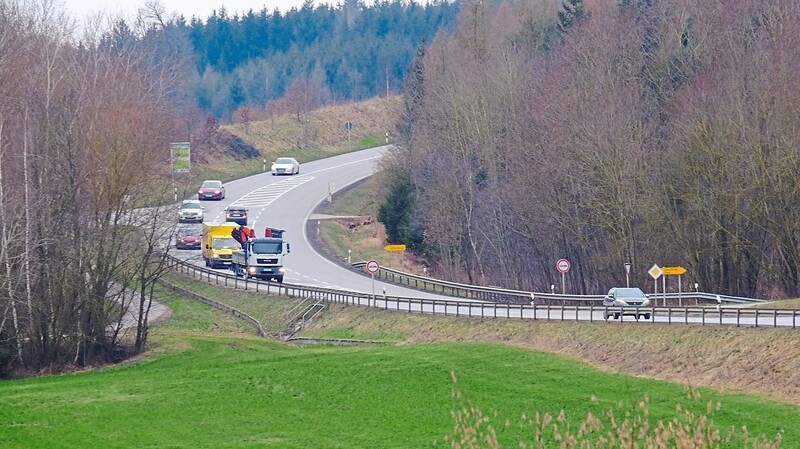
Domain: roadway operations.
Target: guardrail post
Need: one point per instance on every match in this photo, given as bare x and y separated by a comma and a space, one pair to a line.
591, 313
756, 317
548, 312
686, 315
775, 318
703, 316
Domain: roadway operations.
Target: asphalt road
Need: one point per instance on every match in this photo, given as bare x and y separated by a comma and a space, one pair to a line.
288, 202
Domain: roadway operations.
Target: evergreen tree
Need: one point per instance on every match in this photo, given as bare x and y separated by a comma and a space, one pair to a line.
397, 210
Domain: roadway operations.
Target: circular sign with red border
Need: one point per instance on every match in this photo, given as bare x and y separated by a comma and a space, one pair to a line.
562, 265
372, 266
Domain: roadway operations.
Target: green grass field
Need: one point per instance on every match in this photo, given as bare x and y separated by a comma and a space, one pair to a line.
208, 384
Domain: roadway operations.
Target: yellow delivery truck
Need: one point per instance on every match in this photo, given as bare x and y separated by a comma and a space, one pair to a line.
218, 244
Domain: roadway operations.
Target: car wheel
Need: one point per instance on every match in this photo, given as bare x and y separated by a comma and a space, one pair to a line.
279, 279
616, 315
647, 316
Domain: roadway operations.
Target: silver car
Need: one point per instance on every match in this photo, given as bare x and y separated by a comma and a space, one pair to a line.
285, 166
191, 211
624, 299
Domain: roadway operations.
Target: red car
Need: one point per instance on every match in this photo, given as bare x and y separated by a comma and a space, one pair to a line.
187, 238
211, 190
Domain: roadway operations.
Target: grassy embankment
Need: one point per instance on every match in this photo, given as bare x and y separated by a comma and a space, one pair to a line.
315, 135
209, 382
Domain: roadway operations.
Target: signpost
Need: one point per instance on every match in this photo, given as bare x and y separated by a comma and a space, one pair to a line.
563, 266
655, 272
627, 274
180, 157
372, 267
348, 126
675, 271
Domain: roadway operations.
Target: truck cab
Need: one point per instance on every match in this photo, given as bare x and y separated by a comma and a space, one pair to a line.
261, 258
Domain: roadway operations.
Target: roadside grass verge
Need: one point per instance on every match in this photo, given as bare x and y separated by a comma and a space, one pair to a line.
210, 382
364, 241
229, 392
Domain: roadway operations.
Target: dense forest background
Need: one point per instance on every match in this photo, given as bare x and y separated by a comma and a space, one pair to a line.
654, 132
321, 52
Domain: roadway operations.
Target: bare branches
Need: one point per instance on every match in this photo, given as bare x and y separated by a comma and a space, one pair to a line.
656, 133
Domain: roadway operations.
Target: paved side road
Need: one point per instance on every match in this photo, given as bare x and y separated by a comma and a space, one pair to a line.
158, 311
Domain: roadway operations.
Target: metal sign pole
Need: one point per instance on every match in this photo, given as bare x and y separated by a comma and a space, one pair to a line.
563, 285
373, 290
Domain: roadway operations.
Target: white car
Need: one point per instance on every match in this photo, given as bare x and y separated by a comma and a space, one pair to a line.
190, 211
285, 166
621, 299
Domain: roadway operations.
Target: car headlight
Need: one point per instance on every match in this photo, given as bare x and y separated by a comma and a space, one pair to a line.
215, 256
282, 270
646, 302
251, 270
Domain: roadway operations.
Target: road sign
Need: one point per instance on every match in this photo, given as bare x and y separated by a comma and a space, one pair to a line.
673, 271
562, 266
372, 266
655, 271
348, 126
181, 159
401, 247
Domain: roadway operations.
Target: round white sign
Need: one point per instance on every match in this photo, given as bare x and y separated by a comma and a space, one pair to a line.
372, 266
562, 265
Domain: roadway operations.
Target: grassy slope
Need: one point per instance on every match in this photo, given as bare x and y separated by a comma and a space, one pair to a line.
210, 384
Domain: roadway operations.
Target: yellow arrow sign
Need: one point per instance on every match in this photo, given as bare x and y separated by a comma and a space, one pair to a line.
672, 271
395, 247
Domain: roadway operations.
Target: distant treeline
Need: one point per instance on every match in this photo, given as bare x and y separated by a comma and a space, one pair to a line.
350, 51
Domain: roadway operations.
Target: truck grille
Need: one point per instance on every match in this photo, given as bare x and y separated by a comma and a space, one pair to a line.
259, 260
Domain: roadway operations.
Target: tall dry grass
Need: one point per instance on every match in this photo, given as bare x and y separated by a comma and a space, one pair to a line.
618, 430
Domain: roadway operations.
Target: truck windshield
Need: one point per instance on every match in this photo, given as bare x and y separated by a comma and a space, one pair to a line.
266, 247
225, 243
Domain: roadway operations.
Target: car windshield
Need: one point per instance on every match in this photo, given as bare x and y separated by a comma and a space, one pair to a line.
185, 232
212, 185
266, 247
284, 160
226, 243
191, 206
629, 293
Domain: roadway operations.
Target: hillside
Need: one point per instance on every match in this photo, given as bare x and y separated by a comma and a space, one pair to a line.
241, 149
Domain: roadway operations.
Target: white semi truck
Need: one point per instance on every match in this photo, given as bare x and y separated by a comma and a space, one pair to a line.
260, 258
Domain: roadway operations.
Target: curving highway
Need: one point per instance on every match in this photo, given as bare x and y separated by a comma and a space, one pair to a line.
287, 202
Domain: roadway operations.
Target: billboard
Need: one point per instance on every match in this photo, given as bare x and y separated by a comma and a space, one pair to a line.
180, 157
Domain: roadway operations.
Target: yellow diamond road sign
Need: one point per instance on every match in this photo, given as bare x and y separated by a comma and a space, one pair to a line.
655, 271
395, 247
673, 271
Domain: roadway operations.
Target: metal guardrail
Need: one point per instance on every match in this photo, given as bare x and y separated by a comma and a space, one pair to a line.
734, 316
496, 294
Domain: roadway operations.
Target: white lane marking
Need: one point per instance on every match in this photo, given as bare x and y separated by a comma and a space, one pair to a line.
264, 196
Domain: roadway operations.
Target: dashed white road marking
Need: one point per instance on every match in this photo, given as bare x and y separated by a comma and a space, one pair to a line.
266, 195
